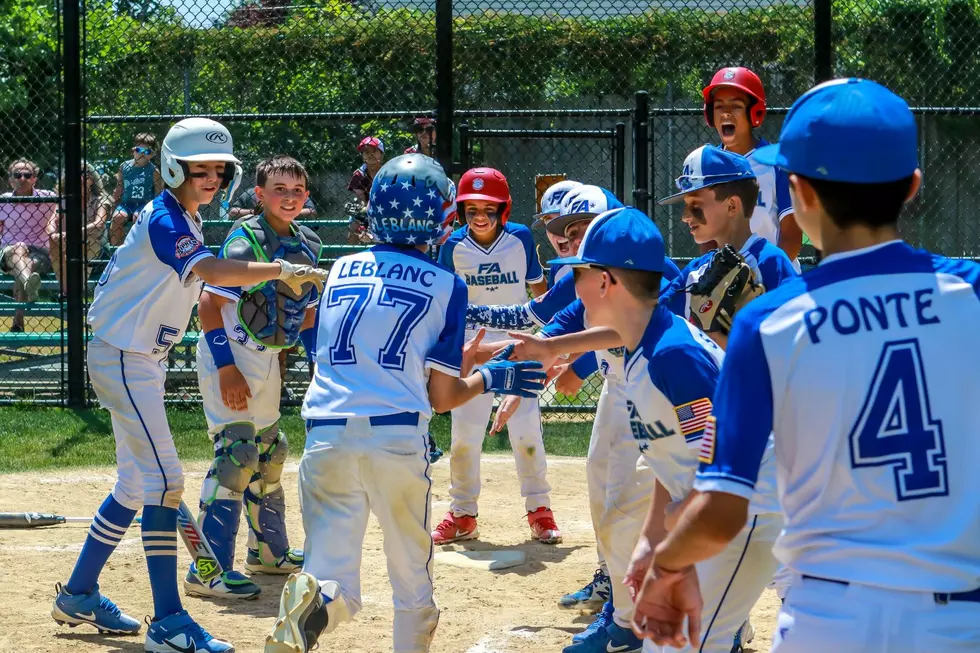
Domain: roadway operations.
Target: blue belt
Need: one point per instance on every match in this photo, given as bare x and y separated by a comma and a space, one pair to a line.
973, 596
396, 419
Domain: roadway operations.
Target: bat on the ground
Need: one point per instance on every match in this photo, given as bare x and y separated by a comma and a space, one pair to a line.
208, 566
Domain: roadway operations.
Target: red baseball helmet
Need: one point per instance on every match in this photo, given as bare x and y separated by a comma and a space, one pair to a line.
744, 80
485, 184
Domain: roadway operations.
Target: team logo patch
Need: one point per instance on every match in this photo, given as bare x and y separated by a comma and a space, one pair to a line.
187, 245
477, 184
216, 137
729, 74
706, 453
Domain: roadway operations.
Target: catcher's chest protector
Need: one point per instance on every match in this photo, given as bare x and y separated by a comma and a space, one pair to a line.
271, 312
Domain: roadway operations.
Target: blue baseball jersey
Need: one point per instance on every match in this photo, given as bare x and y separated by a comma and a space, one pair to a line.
496, 274
769, 264
774, 201
387, 316
556, 272
670, 381
147, 292
863, 370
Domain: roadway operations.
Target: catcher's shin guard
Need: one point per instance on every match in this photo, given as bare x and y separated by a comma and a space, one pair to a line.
265, 502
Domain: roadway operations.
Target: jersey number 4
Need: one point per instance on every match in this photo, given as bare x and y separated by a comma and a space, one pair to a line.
414, 305
896, 428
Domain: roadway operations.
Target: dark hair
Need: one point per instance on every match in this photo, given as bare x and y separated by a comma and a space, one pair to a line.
746, 190
873, 205
642, 284
280, 164
146, 139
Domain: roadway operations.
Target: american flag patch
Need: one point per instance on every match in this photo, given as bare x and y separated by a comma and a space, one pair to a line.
693, 416
706, 454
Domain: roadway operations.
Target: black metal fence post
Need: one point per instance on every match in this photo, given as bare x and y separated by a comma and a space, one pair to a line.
444, 83
641, 151
73, 223
619, 162
464, 147
823, 45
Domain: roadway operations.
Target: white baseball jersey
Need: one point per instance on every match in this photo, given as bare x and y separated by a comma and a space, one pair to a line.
769, 264
858, 369
496, 274
774, 201
145, 297
388, 314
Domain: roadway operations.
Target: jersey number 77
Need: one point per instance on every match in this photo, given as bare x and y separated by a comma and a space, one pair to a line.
896, 427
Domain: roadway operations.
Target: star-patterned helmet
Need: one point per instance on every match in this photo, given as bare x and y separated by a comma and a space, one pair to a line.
412, 202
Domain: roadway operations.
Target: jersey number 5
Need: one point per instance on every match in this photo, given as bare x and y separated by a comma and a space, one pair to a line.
896, 428
414, 306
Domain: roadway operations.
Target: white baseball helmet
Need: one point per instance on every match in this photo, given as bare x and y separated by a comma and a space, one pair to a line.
198, 139
552, 198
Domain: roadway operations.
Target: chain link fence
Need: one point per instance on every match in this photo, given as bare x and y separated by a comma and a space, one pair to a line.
528, 87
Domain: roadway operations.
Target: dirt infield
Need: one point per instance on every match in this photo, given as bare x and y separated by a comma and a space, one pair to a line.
482, 612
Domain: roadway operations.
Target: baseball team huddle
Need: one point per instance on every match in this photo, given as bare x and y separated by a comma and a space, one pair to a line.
757, 427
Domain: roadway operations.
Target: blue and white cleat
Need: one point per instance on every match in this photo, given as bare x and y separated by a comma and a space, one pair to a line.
592, 596
611, 639
227, 585
602, 620
178, 633
744, 636
94, 610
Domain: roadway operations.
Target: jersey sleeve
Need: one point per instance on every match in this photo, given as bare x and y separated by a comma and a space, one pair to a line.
671, 271
446, 253
687, 376
545, 307
534, 271
570, 319
673, 297
784, 203
174, 244
586, 365
738, 430
236, 248
447, 354
776, 270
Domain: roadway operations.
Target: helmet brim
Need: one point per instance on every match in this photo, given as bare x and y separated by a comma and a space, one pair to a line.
197, 158
478, 196
558, 225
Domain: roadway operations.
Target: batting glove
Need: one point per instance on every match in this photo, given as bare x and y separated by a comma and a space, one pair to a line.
295, 276
521, 378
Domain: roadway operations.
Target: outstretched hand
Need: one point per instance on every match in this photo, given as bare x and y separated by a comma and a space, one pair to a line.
295, 276
521, 378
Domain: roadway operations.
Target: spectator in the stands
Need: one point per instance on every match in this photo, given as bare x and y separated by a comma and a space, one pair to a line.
425, 137
373, 154
25, 228
97, 204
137, 182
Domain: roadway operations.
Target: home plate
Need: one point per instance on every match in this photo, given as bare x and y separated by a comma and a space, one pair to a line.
485, 560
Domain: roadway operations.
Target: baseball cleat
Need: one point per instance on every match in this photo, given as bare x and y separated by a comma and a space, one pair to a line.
601, 621
289, 563
227, 585
306, 611
543, 526
94, 610
178, 633
744, 636
592, 596
455, 529
611, 639
435, 453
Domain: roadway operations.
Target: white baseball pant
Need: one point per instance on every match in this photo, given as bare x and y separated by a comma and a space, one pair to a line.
620, 486
731, 583
820, 616
131, 386
526, 439
261, 372
347, 472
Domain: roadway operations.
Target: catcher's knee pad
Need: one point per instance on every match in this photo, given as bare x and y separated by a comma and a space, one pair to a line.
273, 449
236, 459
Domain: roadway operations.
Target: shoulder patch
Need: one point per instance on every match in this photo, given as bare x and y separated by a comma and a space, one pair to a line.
186, 245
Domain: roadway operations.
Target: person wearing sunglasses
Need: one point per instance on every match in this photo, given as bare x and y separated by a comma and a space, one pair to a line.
24, 230
137, 182
425, 137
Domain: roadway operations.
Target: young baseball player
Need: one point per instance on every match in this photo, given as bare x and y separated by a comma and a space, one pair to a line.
551, 201
243, 329
734, 105
389, 352
496, 259
142, 306
850, 368
137, 182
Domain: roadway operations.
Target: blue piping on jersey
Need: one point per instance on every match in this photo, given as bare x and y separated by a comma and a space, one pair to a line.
428, 503
721, 601
122, 368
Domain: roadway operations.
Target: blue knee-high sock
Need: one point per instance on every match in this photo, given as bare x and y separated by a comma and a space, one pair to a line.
160, 547
108, 527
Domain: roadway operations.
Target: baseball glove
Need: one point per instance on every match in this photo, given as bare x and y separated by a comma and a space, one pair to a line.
725, 287
357, 224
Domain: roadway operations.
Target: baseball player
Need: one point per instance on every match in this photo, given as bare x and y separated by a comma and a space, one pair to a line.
496, 259
143, 303
389, 352
243, 329
734, 105
850, 368
551, 201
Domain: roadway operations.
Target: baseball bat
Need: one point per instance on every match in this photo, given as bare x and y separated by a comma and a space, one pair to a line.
39, 519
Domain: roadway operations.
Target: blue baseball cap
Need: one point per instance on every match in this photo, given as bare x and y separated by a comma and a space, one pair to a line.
620, 238
582, 203
849, 130
709, 166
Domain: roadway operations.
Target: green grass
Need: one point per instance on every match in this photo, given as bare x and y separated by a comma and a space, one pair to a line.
42, 438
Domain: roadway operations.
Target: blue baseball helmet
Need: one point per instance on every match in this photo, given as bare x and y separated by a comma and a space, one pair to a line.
412, 202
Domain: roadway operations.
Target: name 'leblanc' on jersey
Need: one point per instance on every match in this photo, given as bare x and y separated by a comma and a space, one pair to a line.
382, 270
